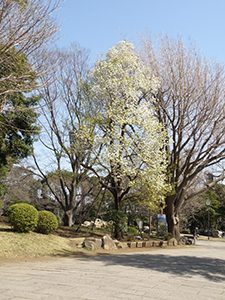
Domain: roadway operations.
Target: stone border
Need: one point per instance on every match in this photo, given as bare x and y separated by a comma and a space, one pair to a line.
107, 243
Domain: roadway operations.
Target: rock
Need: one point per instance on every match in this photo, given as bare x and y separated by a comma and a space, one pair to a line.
116, 241
108, 243
132, 244
92, 243
172, 242
100, 223
121, 245
89, 245
156, 243
98, 242
147, 244
139, 244
87, 223
137, 237
78, 242
175, 243
163, 244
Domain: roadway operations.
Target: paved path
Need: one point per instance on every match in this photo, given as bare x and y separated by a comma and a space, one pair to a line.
162, 274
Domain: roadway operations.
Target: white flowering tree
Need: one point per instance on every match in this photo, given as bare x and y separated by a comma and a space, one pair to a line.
129, 141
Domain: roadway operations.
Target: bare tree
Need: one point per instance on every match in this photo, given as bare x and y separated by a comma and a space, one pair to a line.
20, 186
25, 26
190, 104
67, 129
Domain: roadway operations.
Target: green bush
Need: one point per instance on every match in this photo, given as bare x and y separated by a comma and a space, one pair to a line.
163, 231
23, 217
47, 222
131, 230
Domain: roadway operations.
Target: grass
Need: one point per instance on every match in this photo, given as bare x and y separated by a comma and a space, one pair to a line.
32, 244
20, 246
15, 246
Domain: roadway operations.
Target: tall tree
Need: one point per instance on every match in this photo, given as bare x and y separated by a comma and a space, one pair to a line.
25, 25
68, 124
129, 141
17, 115
190, 105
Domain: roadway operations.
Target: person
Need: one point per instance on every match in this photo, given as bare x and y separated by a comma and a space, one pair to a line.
195, 234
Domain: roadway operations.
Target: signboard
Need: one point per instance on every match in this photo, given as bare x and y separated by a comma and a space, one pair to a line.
161, 218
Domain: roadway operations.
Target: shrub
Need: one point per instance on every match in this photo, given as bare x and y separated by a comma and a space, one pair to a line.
131, 230
119, 219
23, 217
47, 222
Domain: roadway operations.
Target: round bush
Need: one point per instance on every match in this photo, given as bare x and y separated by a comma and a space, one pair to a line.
23, 217
47, 222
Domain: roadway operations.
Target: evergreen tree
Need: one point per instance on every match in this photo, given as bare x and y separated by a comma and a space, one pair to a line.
17, 110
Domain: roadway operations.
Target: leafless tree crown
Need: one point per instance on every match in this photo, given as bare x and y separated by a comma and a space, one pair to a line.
25, 27
190, 104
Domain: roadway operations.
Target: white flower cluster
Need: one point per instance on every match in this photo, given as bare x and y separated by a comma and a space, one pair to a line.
131, 139
122, 76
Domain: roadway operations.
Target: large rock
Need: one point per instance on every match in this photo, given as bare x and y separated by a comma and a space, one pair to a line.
78, 242
89, 245
108, 243
92, 243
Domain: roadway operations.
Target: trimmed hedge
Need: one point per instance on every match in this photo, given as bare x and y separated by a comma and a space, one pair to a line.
47, 222
23, 217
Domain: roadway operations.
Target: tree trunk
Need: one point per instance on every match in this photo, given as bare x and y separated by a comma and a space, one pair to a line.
118, 221
172, 218
117, 231
150, 223
68, 218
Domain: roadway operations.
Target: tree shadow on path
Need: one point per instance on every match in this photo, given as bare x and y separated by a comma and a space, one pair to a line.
209, 268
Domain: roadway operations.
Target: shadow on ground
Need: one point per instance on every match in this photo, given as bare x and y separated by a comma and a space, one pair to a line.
211, 269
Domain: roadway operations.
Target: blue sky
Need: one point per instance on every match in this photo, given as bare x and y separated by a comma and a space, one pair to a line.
99, 24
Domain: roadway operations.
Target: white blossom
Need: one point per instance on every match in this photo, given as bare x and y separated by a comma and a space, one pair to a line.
130, 140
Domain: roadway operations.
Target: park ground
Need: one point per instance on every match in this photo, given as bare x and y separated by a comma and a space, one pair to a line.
63, 242
196, 272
